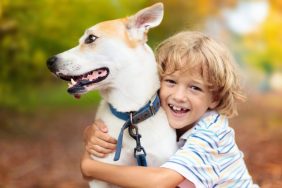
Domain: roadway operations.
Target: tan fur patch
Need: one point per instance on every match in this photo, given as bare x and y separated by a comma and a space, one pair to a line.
111, 29
115, 29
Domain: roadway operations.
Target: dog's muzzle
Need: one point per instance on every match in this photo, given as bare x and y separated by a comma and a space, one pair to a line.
78, 83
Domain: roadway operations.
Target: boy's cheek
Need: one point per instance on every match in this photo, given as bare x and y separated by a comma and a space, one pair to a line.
163, 92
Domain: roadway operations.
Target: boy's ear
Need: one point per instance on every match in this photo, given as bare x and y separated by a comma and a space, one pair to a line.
140, 23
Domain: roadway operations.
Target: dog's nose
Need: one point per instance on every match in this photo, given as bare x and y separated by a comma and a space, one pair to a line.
51, 63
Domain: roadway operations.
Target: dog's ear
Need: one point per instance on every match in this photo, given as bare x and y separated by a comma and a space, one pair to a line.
140, 23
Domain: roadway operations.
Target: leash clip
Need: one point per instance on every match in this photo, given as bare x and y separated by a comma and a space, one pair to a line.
134, 133
139, 151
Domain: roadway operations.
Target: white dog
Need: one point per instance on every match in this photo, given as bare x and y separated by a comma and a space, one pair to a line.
113, 57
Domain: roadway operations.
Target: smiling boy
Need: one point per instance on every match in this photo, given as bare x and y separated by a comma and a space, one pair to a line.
199, 91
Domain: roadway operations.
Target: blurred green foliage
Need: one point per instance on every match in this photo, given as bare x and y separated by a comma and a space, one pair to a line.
31, 31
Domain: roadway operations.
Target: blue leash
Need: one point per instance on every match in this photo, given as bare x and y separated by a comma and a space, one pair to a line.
133, 118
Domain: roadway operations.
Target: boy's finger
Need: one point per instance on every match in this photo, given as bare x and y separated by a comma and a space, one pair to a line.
95, 153
101, 125
100, 130
100, 149
104, 143
104, 137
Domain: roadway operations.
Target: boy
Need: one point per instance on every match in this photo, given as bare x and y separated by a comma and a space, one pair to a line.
199, 90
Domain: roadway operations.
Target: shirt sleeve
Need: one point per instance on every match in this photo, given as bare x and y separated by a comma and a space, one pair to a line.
197, 159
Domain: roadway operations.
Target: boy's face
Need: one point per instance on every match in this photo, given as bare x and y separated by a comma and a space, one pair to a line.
185, 97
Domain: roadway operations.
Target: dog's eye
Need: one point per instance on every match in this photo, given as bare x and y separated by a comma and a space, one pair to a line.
91, 38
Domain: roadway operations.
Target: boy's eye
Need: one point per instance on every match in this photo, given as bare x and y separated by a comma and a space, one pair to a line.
196, 88
169, 81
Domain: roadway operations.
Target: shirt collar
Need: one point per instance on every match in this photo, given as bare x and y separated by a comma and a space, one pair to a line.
184, 137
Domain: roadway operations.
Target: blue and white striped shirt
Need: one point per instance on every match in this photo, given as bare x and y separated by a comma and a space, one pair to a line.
209, 157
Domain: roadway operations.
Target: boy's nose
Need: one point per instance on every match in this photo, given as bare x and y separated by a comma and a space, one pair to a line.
180, 94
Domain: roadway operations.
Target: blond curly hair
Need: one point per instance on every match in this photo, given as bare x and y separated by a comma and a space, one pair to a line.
188, 49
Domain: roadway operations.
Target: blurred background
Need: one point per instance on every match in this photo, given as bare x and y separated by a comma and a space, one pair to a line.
41, 125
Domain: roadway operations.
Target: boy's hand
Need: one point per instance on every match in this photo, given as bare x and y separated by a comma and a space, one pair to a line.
97, 141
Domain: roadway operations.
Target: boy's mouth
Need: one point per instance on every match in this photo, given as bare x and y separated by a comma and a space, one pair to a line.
177, 109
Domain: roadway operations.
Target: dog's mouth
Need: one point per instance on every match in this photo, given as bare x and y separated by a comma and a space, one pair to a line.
79, 83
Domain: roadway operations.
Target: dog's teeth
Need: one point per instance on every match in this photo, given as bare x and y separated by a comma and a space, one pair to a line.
73, 82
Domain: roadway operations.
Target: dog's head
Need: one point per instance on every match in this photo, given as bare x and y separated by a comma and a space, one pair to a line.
105, 49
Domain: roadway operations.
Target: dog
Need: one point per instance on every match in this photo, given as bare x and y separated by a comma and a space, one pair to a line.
113, 57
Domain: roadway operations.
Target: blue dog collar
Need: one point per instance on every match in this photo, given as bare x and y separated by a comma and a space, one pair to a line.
133, 118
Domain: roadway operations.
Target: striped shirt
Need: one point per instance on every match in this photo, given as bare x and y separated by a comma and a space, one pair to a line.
209, 157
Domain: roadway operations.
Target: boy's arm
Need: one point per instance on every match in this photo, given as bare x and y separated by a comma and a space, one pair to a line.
130, 176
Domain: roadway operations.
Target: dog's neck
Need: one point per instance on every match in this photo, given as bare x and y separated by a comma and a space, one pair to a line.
131, 96
134, 89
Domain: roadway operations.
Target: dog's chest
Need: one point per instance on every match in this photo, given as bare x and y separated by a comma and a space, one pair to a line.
158, 139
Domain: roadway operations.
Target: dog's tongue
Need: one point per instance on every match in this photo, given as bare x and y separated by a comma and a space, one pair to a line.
96, 74
77, 96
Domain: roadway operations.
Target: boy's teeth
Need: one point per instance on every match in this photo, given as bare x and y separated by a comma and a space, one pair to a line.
176, 108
